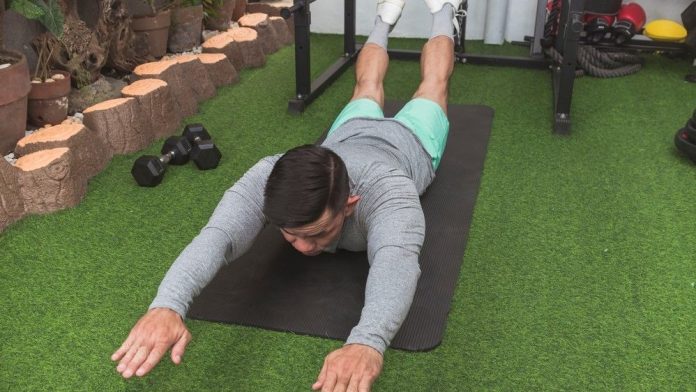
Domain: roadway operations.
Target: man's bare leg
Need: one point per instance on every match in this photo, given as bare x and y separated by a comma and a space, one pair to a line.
437, 57
370, 70
437, 64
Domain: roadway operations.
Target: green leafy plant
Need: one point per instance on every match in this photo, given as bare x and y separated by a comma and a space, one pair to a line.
211, 7
50, 15
47, 12
188, 3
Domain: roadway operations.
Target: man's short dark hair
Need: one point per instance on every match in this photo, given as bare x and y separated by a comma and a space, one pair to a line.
304, 182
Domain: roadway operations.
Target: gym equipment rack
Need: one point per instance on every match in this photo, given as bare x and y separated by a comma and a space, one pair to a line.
566, 41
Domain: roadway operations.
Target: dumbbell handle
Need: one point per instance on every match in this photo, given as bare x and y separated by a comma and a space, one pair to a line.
166, 158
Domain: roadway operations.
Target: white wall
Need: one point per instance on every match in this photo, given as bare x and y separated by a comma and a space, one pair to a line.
327, 17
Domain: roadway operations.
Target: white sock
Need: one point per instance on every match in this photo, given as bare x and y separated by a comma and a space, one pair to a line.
442, 22
380, 33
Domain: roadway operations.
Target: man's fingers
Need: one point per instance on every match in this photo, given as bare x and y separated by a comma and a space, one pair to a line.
125, 360
354, 382
139, 357
180, 347
329, 382
123, 349
340, 386
365, 384
152, 360
320, 380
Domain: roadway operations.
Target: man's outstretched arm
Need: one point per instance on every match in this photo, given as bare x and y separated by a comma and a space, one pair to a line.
230, 232
396, 229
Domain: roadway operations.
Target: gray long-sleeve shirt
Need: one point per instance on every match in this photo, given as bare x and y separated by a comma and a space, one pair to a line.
388, 169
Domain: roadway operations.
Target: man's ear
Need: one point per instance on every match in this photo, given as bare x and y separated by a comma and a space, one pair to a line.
350, 204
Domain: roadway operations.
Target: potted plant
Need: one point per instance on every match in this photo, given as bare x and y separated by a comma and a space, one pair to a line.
187, 25
14, 79
48, 97
152, 30
218, 13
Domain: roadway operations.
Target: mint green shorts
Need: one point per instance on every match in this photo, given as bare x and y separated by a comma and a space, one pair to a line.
423, 117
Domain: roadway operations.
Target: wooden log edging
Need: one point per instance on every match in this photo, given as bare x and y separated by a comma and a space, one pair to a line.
121, 123
220, 69
90, 152
267, 35
171, 72
11, 202
56, 163
50, 181
159, 110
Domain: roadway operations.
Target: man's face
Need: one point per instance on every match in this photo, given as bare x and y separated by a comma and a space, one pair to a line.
313, 238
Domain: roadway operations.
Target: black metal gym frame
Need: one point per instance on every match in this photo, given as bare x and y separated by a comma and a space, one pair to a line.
563, 78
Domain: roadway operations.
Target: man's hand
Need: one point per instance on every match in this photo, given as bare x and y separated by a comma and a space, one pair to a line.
352, 368
149, 340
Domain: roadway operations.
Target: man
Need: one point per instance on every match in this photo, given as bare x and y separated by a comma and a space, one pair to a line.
359, 190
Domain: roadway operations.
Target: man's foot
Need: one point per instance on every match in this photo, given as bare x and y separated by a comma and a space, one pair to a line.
390, 10
448, 20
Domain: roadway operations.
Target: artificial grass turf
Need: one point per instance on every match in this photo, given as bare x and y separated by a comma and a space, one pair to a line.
579, 271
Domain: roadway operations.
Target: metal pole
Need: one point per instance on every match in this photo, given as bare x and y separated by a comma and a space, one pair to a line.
303, 85
349, 27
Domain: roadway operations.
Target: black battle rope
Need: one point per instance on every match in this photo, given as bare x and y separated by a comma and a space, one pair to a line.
600, 64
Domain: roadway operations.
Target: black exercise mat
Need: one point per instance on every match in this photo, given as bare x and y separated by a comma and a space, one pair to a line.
273, 286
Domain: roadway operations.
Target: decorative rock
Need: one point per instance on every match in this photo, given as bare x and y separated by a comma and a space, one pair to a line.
49, 180
120, 122
248, 41
197, 77
225, 44
90, 152
159, 111
219, 68
260, 23
171, 72
10, 159
281, 29
103, 89
11, 203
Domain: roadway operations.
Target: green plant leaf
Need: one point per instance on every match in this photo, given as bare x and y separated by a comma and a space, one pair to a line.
27, 8
53, 19
49, 14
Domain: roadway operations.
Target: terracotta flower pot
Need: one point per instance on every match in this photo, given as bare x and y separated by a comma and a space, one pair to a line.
13, 99
48, 102
151, 34
185, 30
221, 20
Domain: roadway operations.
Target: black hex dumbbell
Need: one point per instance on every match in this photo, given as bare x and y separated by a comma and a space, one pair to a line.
685, 139
691, 127
204, 152
148, 170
